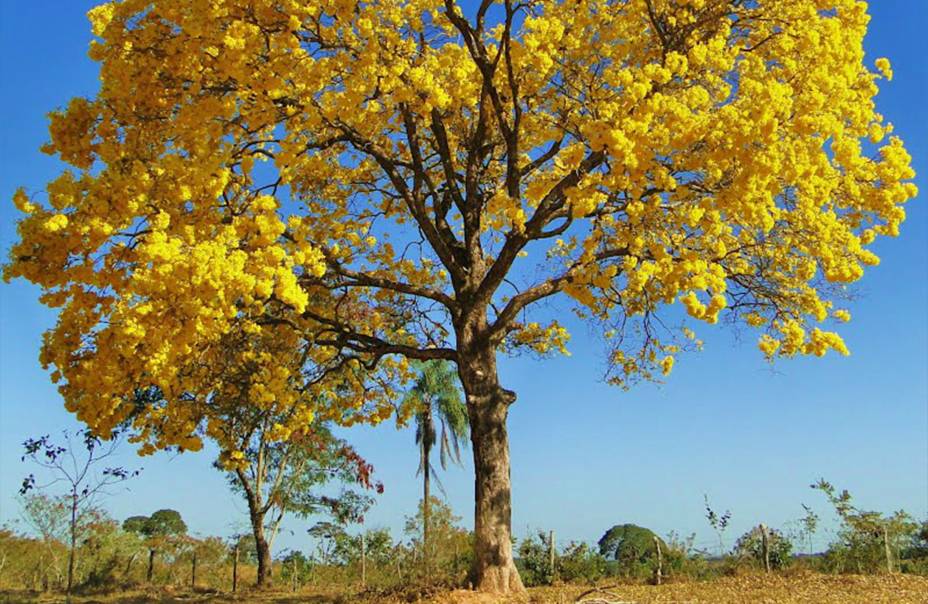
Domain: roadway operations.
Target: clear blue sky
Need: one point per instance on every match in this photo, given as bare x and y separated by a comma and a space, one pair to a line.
584, 455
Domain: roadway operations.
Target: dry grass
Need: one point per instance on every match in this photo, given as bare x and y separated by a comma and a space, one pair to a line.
800, 588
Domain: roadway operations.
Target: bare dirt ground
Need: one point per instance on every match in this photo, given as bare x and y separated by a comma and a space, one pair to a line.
775, 589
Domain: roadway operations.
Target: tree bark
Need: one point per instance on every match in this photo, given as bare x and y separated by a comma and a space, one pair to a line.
151, 565
494, 568
256, 513
73, 544
263, 551
426, 505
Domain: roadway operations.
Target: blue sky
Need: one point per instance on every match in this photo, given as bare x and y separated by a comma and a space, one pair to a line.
585, 455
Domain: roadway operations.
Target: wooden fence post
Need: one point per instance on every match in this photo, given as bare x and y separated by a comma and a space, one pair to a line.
235, 569
765, 546
889, 555
193, 573
659, 571
551, 553
293, 579
363, 558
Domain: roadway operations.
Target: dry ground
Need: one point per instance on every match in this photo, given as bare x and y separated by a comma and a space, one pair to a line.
800, 588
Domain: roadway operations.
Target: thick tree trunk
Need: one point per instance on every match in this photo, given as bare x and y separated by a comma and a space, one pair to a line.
263, 551
494, 568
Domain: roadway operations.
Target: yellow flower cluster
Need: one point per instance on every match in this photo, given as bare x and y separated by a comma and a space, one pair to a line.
278, 169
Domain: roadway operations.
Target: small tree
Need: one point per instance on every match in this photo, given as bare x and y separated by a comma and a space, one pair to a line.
205, 553
49, 517
867, 539
328, 535
436, 397
632, 547
296, 569
273, 449
808, 525
718, 522
449, 544
78, 464
160, 529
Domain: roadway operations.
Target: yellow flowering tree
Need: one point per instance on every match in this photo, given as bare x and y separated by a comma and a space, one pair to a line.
386, 180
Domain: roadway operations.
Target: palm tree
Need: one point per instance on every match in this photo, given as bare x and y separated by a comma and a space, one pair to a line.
436, 396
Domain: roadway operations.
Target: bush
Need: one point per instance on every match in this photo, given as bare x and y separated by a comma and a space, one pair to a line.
580, 563
534, 561
633, 548
750, 547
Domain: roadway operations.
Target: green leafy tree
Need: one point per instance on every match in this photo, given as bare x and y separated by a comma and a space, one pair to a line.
867, 539
436, 399
632, 547
450, 545
378, 547
159, 530
277, 470
296, 569
808, 524
327, 535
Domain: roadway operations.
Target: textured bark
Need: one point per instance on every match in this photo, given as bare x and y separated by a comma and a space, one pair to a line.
151, 565
494, 568
263, 550
256, 513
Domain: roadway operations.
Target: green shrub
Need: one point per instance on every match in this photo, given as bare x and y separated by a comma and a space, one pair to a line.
633, 548
580, 563
750, 547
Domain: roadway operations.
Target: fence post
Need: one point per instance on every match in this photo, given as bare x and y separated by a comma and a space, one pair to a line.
293, 574
889, 556
193, 573
765, 545
235, 569
363, 558
659, 571
551, 553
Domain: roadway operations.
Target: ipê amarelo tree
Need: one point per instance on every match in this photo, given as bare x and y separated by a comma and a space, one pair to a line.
375, 174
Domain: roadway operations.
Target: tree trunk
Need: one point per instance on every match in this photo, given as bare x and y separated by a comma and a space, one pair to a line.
126, 572
494, 568
73, 544
151, 565
426, 504
263, 550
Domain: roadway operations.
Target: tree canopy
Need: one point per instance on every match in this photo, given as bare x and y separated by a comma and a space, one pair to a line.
630, 544
163, 523
240, 160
